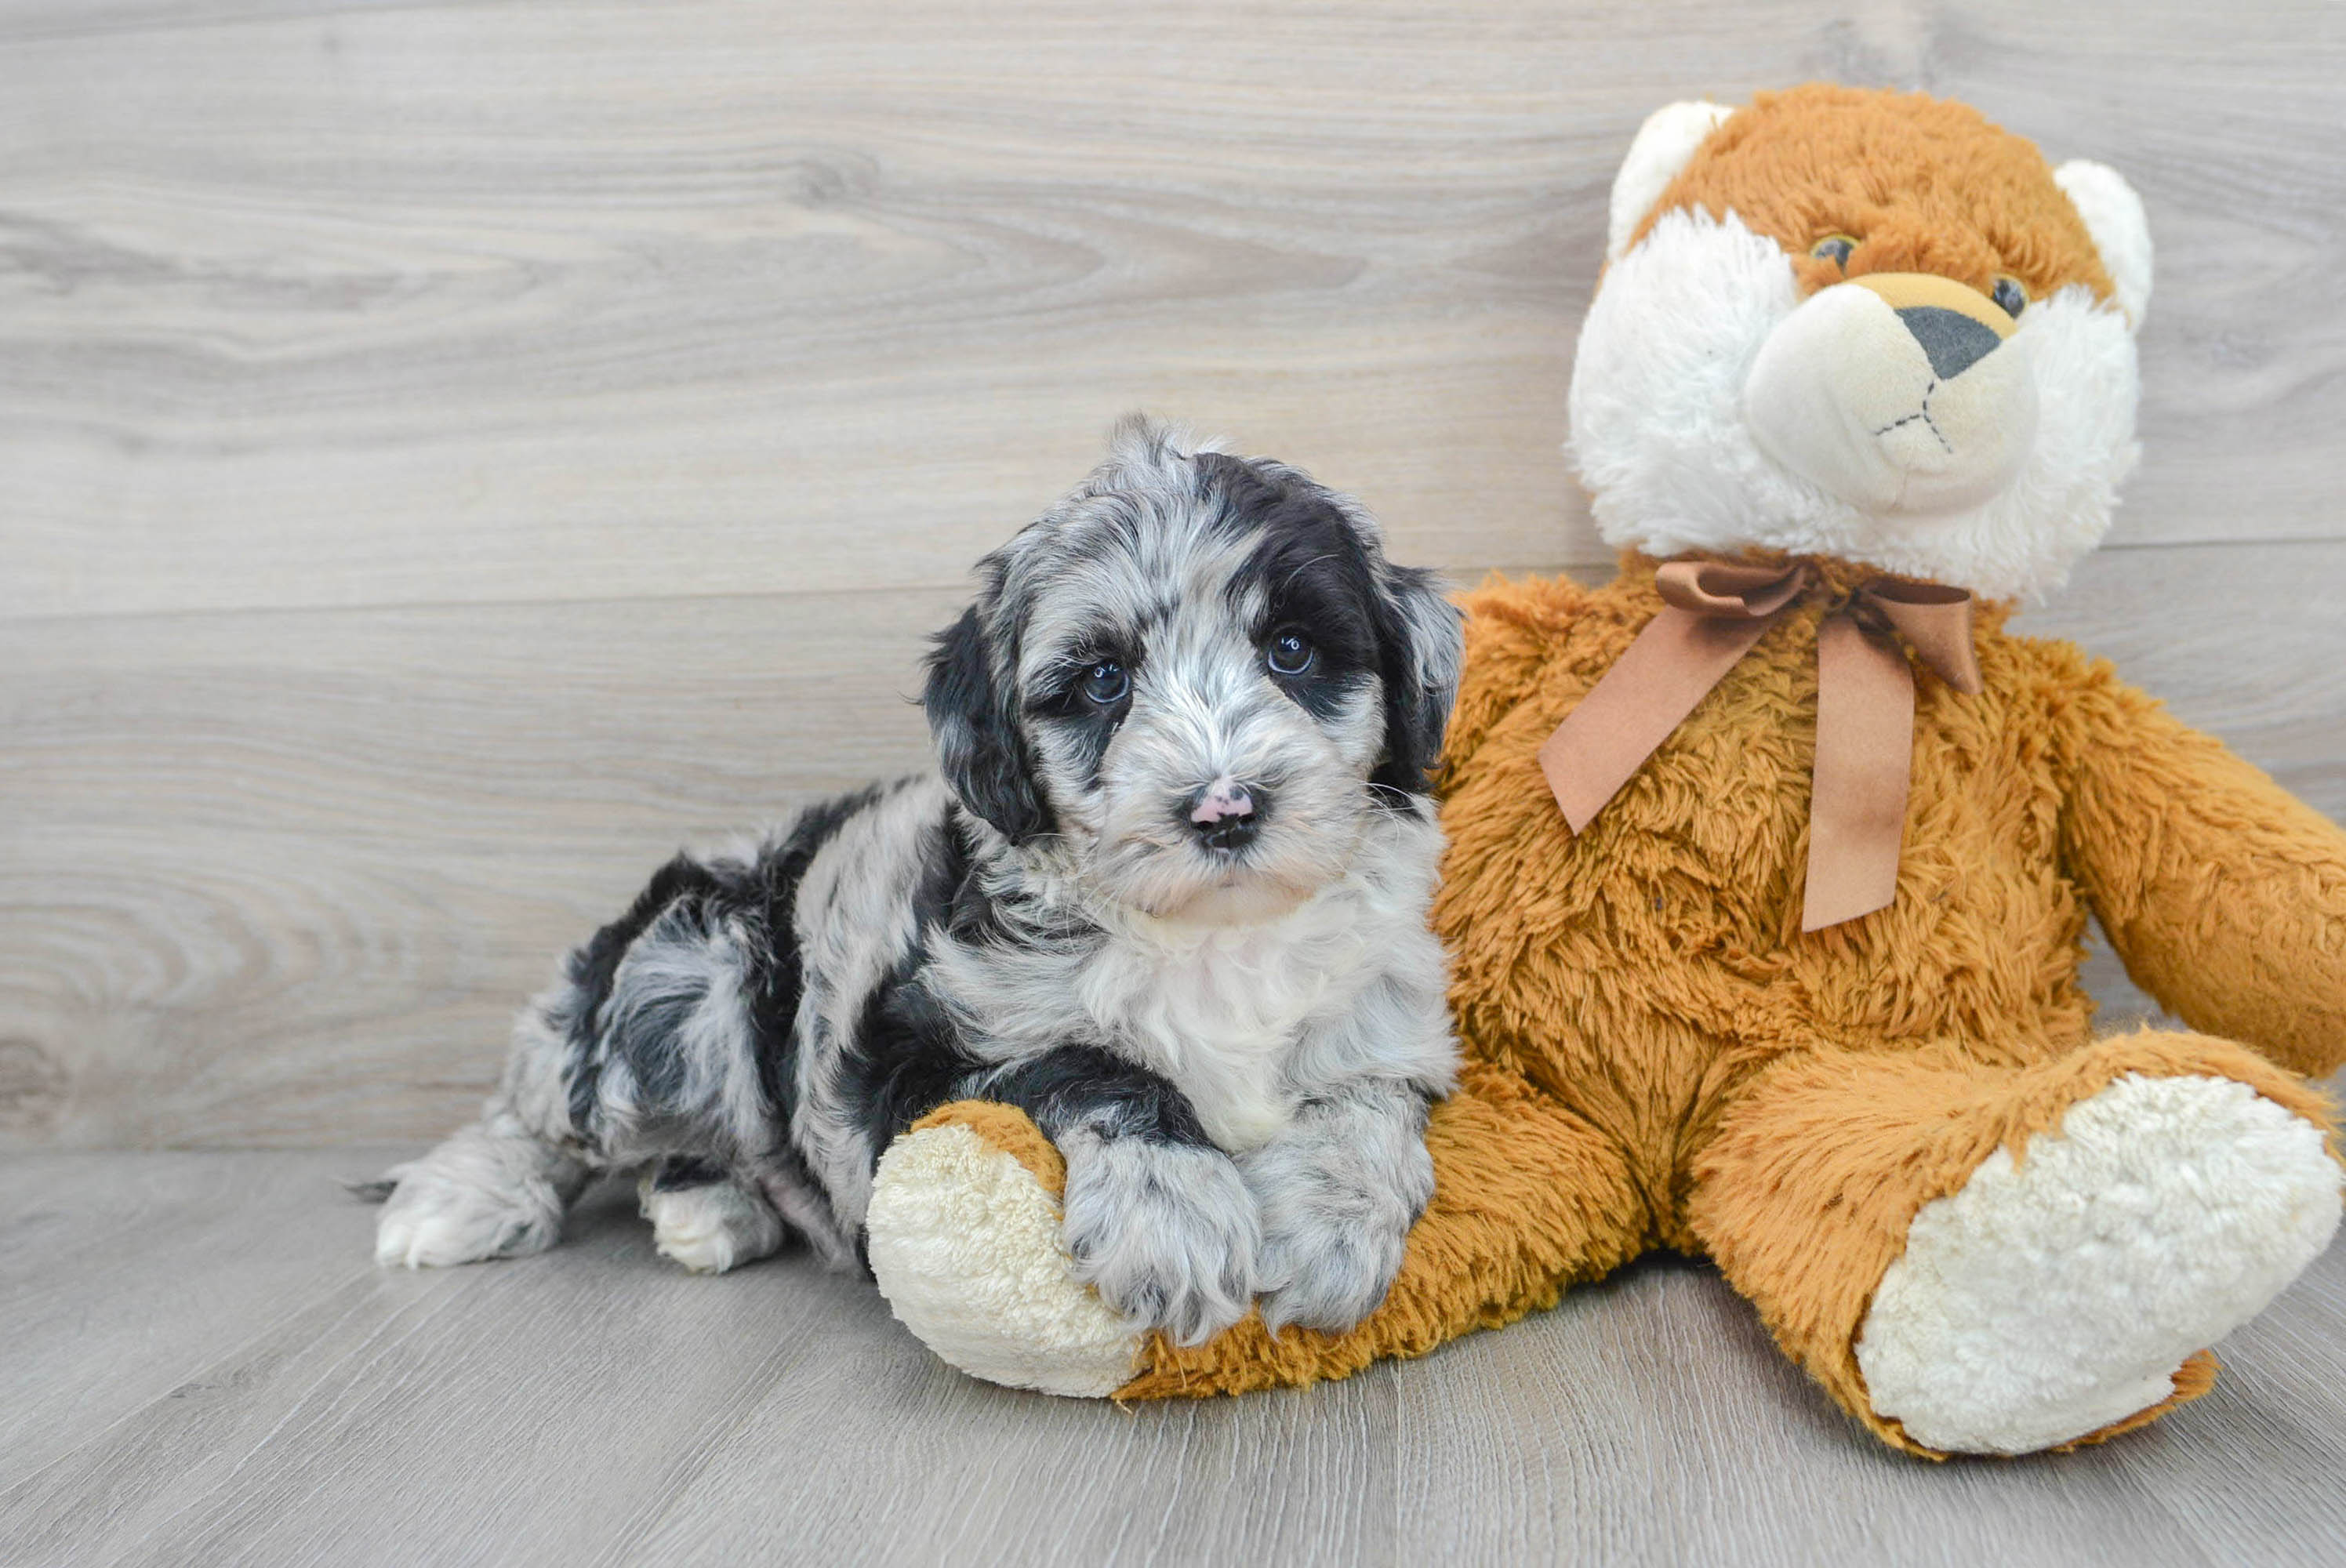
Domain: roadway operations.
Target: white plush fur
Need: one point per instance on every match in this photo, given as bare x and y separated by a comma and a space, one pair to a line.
1665, 143
965, 1245
1842, 394
711, 1228
1661, 439
2059, 1293
2121, 229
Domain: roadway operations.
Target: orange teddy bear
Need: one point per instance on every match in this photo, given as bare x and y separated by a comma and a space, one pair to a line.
1770, 861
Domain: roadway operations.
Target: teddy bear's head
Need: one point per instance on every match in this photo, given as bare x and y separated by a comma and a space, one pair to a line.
1866, 326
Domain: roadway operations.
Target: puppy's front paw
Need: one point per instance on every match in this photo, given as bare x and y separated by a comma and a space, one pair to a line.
1333, 1230
1323, 1276
1166, 1232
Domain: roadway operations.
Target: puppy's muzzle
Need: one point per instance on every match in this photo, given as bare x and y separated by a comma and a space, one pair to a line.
1899, 393
1225, 814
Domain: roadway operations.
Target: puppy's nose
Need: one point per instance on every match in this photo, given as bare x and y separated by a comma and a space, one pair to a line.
1225, 813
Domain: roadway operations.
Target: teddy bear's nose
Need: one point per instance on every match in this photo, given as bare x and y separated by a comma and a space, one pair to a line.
1954, 341
1954, 324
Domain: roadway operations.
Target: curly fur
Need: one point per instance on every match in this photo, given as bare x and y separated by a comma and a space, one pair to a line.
1054, 919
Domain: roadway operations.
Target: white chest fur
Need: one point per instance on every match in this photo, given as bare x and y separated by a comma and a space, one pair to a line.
1219, 1011
1244, 1020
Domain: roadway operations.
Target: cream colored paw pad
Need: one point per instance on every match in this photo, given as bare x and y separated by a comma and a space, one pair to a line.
2059, 1294
965, 1245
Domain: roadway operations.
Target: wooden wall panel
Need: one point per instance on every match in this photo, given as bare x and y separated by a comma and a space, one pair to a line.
454, 453
280, 890
314, 306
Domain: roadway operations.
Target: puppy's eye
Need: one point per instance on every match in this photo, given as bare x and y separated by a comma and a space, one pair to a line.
1290, 654
2010, 295
1105, 682
1835, 248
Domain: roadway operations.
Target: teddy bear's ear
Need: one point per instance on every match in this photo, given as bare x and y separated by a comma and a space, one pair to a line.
2114, 215
1665, 142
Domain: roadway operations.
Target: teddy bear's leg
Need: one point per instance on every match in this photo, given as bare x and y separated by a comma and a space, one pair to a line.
964, 1231
1997, 1259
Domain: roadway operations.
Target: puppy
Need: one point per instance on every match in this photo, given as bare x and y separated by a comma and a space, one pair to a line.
1166, 893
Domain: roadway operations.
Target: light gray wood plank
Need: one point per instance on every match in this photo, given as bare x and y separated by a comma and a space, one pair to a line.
496, 303
252, 884
2248, 641
972, 1473
522, 1413
2249, 1471
1649, 1419
27, 21
120, 1278
596, 1405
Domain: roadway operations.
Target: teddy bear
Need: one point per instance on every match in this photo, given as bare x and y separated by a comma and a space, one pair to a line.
1770, 860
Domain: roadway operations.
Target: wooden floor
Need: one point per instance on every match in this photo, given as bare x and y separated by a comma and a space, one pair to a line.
452, 452
203, 1368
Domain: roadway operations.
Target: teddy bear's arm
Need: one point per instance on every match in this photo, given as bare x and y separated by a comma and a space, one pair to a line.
2224, 894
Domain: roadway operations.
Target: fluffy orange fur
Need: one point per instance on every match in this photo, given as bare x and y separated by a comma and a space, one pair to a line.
1923, 184
1662, 1058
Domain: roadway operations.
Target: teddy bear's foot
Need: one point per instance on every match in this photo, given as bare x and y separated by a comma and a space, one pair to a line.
963, 1229
2058, 1295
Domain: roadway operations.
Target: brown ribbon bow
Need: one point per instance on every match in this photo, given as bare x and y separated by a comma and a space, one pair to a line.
1714, 611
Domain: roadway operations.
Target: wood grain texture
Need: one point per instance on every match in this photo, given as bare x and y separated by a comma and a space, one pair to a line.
244, 1387
1649, 1419
459, 451
318, 305
282, 881
456, 452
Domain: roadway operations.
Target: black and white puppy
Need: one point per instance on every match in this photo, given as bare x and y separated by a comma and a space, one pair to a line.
1167, 893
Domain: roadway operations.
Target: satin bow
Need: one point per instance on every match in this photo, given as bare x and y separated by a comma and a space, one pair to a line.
1713, 613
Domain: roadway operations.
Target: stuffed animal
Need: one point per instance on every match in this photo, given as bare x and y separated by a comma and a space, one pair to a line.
1770, 861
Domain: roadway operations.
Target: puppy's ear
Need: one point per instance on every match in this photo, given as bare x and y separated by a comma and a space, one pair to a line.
973, 713
1424, 645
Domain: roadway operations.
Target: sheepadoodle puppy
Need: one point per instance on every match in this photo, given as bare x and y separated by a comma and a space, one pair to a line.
1166, 893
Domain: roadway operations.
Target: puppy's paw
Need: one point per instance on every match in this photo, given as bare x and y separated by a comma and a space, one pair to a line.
712, 1226
433, 1220
1323, 1272
490, 1191
1166, 1233
1338, 1194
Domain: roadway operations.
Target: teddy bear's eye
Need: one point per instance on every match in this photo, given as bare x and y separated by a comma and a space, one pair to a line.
2010, 295
1835, 248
